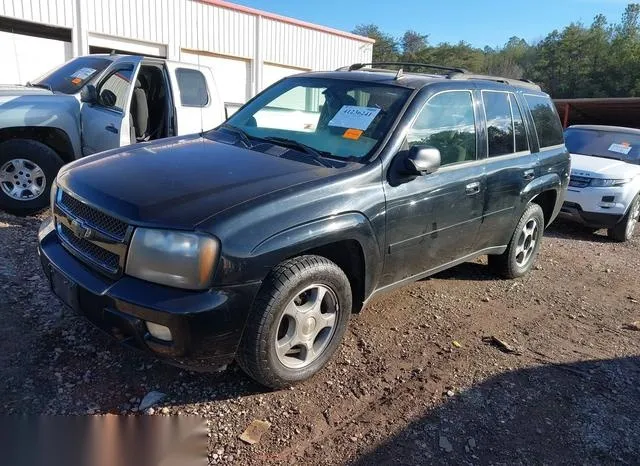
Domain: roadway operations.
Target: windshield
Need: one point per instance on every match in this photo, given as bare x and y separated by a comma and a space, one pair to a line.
604, 143
73, 75
337, 118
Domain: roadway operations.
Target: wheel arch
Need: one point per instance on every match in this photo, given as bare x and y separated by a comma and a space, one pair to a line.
54, 138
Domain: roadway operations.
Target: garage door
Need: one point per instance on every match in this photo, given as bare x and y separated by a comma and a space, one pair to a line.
232, 75
26, 58
273, 73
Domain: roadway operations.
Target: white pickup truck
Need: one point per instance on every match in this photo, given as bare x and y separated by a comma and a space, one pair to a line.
91, 104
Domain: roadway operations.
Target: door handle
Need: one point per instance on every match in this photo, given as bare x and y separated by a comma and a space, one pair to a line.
111, 128
472, 188
528, 175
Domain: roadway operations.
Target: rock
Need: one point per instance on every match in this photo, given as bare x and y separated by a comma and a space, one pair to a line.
354, 439
165, 410
635, 326
472, 442
450, 393
254, 431
608, 270
486, 299
150, 411
445, 444
151, 399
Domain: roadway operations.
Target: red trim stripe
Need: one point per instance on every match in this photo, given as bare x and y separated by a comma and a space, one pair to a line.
285, 19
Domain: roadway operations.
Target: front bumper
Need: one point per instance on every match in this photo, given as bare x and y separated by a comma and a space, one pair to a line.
206, 326
573, 211
595, 207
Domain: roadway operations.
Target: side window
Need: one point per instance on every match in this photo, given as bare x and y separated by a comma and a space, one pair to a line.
447, 123
193, 88
520, 131
500, 136
546, 119
115, 89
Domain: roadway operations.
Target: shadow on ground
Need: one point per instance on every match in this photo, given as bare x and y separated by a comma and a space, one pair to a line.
581, 413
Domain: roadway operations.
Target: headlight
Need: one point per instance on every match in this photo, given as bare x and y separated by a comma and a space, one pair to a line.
52, 194
604, 182
173, 258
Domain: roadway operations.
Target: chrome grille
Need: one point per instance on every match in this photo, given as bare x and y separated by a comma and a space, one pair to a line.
579, 181
100, 257
93, 218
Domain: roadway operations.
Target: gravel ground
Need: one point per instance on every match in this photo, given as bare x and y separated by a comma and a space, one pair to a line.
414, 382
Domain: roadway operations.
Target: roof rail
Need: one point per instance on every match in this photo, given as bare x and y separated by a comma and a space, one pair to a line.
358, 66
513, 82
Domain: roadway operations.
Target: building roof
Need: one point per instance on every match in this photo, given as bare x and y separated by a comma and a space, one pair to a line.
615, 111
286, 19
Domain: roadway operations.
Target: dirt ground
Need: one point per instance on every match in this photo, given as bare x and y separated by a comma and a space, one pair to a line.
399, 391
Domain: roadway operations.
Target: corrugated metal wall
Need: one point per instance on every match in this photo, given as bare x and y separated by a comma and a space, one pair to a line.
53, 12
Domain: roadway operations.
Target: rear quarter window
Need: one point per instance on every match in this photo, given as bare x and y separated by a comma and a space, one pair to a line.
546, 119
193, 88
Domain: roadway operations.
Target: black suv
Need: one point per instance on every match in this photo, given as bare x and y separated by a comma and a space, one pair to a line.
257, 240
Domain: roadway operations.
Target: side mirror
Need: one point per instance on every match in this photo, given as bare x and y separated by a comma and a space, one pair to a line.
423, 160
89, 94
108, 98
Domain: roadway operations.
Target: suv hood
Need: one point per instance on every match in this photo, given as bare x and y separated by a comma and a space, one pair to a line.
179, 182
599, 167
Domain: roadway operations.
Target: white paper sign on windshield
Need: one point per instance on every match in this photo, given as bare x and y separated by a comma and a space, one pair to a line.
83, 73
355, 117
620, 148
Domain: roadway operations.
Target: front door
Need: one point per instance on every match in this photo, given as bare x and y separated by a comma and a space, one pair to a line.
432, 220
106, 123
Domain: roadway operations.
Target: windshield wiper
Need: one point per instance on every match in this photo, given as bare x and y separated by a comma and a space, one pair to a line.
292, 143
40, 85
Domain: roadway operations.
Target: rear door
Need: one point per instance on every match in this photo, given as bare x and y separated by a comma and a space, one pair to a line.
106, 123
197, 104
510, 165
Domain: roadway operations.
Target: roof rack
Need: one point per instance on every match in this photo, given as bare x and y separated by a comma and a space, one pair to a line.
512, 82
453, 73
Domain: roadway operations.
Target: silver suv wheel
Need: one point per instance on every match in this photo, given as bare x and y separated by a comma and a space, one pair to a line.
22, 179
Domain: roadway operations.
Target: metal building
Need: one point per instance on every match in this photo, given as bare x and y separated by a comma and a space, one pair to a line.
247, 49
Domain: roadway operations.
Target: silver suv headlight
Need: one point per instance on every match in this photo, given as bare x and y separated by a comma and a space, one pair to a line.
607, 182
174, 258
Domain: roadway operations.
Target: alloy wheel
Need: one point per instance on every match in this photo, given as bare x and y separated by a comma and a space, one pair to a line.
22, 179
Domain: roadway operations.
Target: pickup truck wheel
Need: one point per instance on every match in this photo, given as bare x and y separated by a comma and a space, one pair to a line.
623, 231
27, 170
297, 322
523, 248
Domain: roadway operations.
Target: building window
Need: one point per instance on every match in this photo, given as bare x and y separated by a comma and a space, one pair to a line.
193, 88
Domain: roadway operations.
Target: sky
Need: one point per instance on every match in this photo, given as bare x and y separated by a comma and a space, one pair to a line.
479, 22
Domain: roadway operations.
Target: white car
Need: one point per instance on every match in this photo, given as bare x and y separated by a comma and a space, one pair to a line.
605, 178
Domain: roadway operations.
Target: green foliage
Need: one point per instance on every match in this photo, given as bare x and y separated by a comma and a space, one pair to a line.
600, 60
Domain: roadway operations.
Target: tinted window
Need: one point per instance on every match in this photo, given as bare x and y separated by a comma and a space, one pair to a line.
520, 131
600, 143
499, 123
546, 119
447, 123
193, 88
73, 75
114, 91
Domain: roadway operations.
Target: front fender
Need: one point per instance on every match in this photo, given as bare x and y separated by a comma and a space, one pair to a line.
43, 110
296, 240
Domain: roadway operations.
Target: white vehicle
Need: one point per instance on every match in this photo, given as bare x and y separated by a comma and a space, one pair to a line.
91, 104
605, 178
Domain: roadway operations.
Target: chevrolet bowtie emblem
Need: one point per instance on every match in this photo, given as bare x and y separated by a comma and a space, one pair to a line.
81, 230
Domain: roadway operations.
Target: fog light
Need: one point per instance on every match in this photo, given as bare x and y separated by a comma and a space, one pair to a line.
159, 331
608, 198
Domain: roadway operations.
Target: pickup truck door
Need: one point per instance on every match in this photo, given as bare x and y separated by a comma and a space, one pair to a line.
106, 123
198, 106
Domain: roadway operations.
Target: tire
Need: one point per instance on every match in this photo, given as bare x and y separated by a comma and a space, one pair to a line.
294, 286
22, 161
516, 262
623, 231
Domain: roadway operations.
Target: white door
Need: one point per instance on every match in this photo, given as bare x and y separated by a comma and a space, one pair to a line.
106, 122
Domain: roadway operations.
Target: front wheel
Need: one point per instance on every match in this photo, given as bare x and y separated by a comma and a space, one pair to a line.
27, 170
297, 322
623, 231
524, 246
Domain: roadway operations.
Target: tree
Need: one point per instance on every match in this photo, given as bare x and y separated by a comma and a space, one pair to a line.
386, 47
413, 42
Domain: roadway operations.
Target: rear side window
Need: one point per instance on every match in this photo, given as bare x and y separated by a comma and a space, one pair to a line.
193, 88
499, 123
520, 131
546, 119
